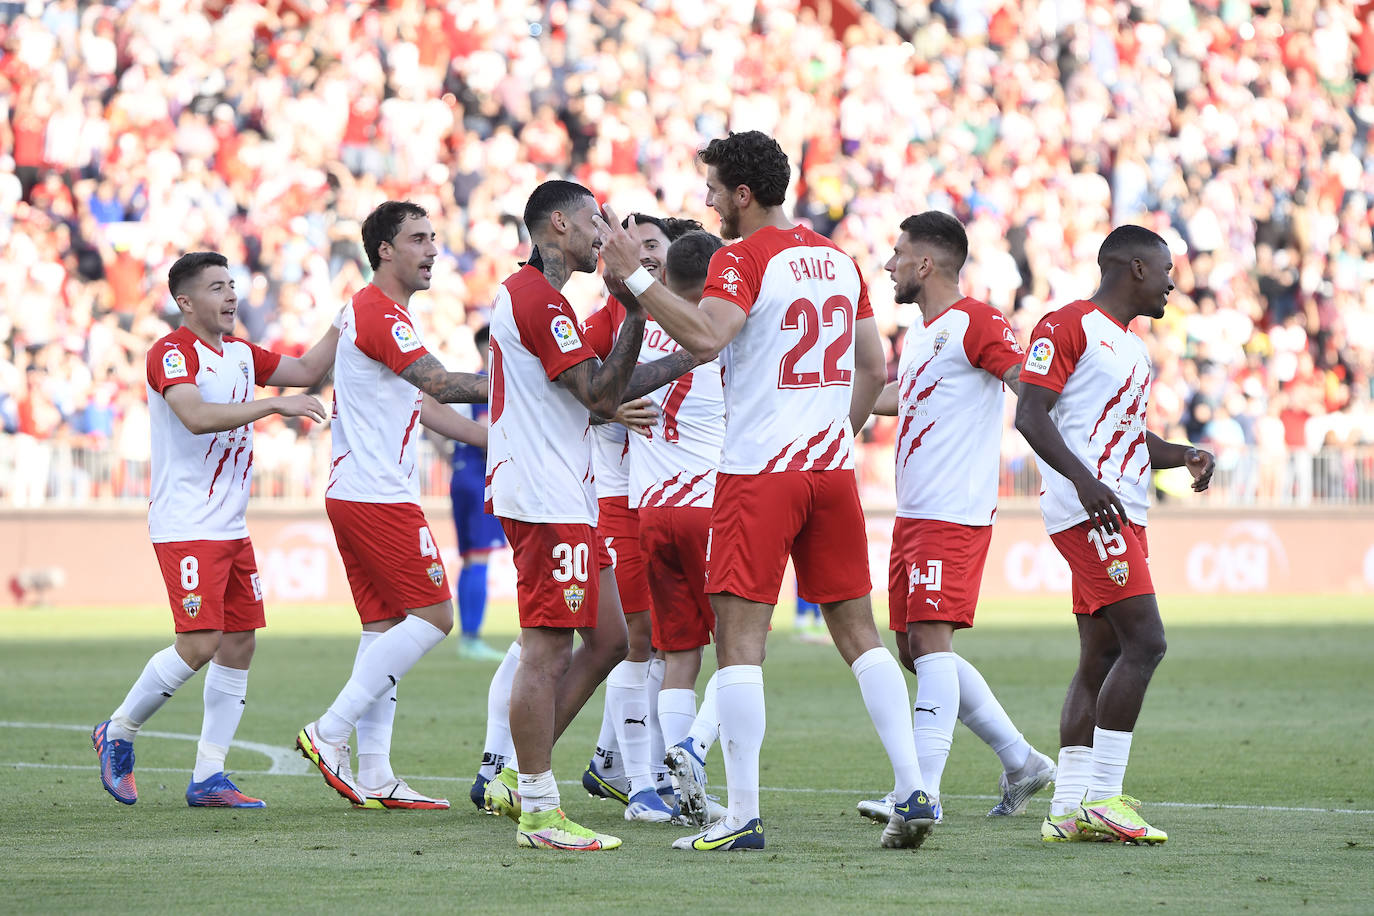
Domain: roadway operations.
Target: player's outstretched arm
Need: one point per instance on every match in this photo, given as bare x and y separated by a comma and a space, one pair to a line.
1199, 462
703, 330
308, 370
447, 422
889, 401
638, 415
1012, 379
430, 376
600, 386
870, 372
1033, 421
202, 416
654, 375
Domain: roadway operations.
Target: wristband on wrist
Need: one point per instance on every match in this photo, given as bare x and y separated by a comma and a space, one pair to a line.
639, 281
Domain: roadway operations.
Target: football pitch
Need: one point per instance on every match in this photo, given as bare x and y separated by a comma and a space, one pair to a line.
1254, 752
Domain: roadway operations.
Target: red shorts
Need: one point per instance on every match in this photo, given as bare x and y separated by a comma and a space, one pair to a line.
390, 557
617, 526
759, 519
1105, 570
557, 570
935, 570
212, 585
674, 541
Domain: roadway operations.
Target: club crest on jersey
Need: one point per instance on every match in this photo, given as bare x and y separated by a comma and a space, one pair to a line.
940, 340
573, 596
1120, 571
243, 367
565, 333
174, 364
1040, 356
404, 335
436, 574
191, 605
731, 280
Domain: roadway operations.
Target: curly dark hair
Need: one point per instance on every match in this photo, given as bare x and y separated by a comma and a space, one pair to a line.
752, 159
672, 227
383, 223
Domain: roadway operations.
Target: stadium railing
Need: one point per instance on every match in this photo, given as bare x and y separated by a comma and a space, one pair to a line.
293, 474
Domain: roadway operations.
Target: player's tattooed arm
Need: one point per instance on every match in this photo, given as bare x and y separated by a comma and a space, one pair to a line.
1199, 462
311, 368
1033, 421
888, 401
430, 376
600, 386
654, 375
447, 422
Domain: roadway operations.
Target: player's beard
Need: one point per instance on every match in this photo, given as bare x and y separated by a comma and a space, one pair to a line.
729, 222
904, 295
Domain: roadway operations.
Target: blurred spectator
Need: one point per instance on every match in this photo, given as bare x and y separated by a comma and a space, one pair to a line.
1240, 132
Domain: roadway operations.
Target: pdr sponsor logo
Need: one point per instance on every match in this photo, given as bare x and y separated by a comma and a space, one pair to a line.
1242, 559
731, 280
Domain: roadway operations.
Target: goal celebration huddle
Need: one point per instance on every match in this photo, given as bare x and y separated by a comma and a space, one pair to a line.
654, 469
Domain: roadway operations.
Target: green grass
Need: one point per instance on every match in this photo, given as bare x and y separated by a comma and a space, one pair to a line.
1259, 703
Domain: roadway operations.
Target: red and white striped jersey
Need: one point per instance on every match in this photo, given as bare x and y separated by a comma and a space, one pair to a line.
539, 450
949, 432
1102, 373
201, 482
676, 465
376, 428
789, 372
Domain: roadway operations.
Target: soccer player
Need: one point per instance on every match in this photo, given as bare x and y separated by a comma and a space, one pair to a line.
788, 312
628, 764
478, 533
672, 483
1085, 391
545, 380
201, 406
949, 395
385, 382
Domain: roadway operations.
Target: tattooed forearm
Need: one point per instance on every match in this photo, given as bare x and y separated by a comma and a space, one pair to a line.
430, 376
653, 376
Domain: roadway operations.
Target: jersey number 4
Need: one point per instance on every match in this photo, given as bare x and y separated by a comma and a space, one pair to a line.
802, 315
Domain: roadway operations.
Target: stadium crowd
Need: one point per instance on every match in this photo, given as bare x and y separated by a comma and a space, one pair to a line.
132, 132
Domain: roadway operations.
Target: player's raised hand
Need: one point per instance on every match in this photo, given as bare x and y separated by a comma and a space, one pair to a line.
619, 247
638, 416
301, 405
1200, 463
1104, 507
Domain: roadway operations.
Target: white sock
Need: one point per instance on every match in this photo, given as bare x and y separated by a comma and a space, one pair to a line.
742, 723
658, 749
628, 702
984, 716
374, 727
1111, 751
164, 673
884, 691
538, 792
1071, 779
226, 690
381, 667
677, 710
706, 726
934, 714
498, 749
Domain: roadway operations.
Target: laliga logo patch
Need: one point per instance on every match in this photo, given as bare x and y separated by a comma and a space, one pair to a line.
731, 280
573, 596
436, 574
404, 335
174, 364
940, 340
1120, 571
1041, 355
565, 333
191, 605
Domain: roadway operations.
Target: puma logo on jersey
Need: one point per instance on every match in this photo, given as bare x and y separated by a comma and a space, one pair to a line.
934, 602
738, 259
931, 710
1051, 325
638, 721
1108, 346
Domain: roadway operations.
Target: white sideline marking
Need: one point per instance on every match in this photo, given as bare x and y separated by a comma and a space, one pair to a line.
288, 762
285, 761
